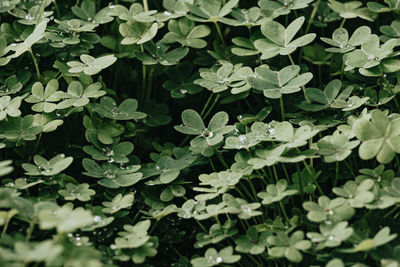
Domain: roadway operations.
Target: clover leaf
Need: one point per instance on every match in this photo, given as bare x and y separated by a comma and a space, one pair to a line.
379, 175
180, 82
210, 10
283, 7
279, 39
112, 176
44, 98
77, 96
244, 46
125, 111
373, 59
382, 237
186, 33
135, 244
19, 129
117, 153
216, 234
104, 131
276, 193
358, 195
79, 191
117, 203
331, 236
352, 9
65, 218
90, 65
392, 31
380, 136
33, 252
226, 76
9, 107
252, 242
159, 54
4, 49
167, 169
328, 210
206, 136
336, 147
245, 17
283, 246
274, 84
341, 42
87, 12
137, 32
273, 155
47, 167
212, 257
240, 207
26, 45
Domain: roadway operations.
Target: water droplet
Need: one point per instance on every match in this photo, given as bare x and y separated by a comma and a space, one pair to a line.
90, 19
167, 13
350, 104
109, 174
270, 131
11, 184
240, 117
328, 222
62, 156
115, 111
78, 244
246, 209
97, 219
330, 237
29, 17
207, 133
184, 91
111, 5
114, 207
113, 246
157, 167
218, 259
242, 138
110, 160
70, 235
123, 166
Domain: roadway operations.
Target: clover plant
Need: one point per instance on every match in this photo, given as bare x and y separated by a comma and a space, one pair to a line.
199, 133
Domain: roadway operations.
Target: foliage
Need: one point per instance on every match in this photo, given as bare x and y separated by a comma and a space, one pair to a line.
199, 133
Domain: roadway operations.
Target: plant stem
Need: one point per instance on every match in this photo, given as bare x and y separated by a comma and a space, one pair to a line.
206, 105
41, 12
57, 9
211, 108
300, 181
30, 229
145, 5
221, 37
336, 174
350, 169
302, 87
342, 23
221, 158
313, 178
282, 109
312, 16
275, 173
284, 211
35, 63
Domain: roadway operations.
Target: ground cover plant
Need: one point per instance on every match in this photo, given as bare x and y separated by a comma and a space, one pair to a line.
199, 133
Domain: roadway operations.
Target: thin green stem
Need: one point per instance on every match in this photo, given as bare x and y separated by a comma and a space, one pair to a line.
312, 16
275, 173
145, 5
221, 158
57, 9
300, 181
41, 12
350, 168
221, 37
211, 107
207, 103
282, 109
35, 63
284, 211
313, 178
342, 23
29, 231
336, 174
390, 212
